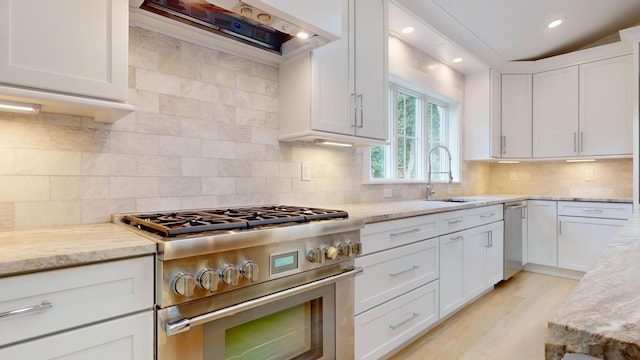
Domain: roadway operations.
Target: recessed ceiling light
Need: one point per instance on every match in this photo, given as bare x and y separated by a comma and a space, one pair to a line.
407, 30
555, 23
302, 35
457, 60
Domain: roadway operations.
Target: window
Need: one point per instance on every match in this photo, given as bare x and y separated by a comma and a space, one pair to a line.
418, 122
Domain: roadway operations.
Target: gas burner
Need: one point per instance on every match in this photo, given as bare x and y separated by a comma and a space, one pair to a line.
194, 222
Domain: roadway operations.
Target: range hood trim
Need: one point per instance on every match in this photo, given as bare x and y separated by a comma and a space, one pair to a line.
158, 23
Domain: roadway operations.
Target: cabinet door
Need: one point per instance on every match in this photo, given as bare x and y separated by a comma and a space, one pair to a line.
482, 115
370, 68
542, 237
330, 103
69, 46
581, 241
555, 113
494, 254
129, 337
473, 264
606, 119
516, 115
451, 292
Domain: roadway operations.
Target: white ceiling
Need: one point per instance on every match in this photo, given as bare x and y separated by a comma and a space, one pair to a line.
494, 32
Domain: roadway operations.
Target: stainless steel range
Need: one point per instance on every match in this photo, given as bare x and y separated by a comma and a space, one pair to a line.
262, 282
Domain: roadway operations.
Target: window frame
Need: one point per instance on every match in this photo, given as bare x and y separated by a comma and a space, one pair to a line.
452, 134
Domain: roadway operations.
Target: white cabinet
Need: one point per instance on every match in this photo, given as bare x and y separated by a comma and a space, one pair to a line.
471, 260
384, 328
65, 55
585, 230
581, 241
578, 110
542, 233
482, 115
389, 274
76, 308
606, 107
451, 267
555, 113
516, 123
129, 337
396, 296
338, 91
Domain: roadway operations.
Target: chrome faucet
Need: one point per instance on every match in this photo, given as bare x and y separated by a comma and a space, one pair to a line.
430, 191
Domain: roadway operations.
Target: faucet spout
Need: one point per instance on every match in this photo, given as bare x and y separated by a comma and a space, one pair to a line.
430, 190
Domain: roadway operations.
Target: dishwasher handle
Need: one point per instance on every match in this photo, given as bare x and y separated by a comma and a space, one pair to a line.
516, 206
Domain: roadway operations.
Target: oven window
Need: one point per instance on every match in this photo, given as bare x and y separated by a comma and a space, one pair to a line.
301, 327
288, 334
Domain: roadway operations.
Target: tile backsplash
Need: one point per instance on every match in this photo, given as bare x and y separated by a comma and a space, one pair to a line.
204, 134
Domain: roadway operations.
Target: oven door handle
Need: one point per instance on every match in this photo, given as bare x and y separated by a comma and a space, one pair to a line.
182, 325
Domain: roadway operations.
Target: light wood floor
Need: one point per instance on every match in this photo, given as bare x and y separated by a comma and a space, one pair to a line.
508, 323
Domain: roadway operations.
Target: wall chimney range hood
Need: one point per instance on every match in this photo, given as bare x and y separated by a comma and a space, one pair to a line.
271, 26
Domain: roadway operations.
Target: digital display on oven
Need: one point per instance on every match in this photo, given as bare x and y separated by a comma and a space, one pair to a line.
284, 262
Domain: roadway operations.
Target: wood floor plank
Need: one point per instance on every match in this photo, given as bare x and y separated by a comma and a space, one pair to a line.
508, 323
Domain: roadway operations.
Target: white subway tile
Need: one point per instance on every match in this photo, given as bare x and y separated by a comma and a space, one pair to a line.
47, 213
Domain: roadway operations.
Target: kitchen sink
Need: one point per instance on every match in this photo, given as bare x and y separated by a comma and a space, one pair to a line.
457, 200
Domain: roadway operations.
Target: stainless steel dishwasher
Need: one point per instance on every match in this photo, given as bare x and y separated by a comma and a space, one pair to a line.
514, 216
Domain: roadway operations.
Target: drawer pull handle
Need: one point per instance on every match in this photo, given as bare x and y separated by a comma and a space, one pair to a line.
45, 305
456, 238
404, 232
413, 316
414, 267
484, 216
592, 210
454, 222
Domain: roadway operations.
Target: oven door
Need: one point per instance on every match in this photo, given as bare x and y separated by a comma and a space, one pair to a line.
309, 321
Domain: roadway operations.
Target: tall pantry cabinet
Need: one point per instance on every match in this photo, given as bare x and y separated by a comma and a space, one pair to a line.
338, 90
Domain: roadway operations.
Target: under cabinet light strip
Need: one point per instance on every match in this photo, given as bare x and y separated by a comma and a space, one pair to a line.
19, 107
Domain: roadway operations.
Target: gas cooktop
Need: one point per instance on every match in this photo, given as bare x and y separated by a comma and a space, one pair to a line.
202, 221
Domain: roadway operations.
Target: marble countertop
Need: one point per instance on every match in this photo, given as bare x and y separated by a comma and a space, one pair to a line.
24, 251
601, 317
390, 210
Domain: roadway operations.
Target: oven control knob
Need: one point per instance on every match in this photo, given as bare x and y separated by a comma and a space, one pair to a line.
208, 279
332, 252
229, 275
184, 284
316, 255
345, 249
249, 270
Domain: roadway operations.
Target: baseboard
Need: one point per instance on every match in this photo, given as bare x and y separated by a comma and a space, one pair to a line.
554, 271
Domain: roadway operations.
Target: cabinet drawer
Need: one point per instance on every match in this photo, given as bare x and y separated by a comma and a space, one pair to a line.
483, 215
79, 295
382, 329
392, 273
595, 209
389, 234
130, 337
452, 221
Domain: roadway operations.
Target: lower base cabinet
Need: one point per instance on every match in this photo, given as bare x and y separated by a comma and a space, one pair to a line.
581, 241
385, 327
471, 262
130, 337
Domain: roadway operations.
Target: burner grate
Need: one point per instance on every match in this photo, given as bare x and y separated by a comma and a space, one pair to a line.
193, 222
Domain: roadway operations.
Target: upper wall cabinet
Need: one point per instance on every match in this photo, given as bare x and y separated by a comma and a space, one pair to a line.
65, 53
584, 110
606, 107
339, 91
516, 116
482, 115
555, 113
